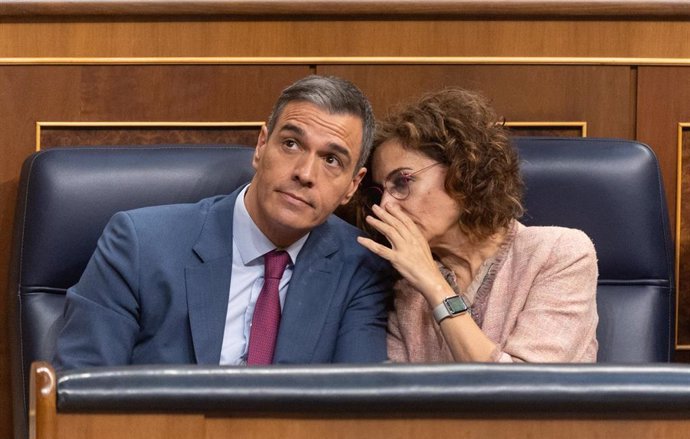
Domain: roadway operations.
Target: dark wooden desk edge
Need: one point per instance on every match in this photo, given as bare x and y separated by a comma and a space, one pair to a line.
490, 9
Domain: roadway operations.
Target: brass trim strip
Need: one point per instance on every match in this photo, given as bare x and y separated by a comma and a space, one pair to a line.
336, 60
546, 124
166, 124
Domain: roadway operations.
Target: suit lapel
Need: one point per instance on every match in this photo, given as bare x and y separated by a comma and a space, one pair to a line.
308, 298
208, 282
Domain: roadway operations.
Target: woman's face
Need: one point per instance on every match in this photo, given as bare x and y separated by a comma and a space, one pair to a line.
428, 205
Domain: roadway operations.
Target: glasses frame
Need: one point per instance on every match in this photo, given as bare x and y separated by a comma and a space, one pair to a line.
386, 186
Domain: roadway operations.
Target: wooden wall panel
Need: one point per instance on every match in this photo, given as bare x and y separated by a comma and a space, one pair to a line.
80, 426
299, 37
138, 134
663, 103
601, 96
535, 129
683, 237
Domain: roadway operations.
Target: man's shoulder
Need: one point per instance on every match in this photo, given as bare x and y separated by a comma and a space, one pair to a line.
341, 228
203, 205
345, 236
170, 221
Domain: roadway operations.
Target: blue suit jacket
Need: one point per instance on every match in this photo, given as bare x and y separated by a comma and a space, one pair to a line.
156, 291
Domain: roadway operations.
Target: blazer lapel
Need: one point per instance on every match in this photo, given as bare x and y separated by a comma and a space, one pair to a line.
308, 298
208, 282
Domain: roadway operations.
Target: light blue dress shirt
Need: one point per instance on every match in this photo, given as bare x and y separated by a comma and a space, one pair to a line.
248, 247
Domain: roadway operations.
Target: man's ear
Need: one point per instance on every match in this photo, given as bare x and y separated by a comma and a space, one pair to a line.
354, 185
261, 142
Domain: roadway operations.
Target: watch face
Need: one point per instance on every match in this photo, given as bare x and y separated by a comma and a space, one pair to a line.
456, 305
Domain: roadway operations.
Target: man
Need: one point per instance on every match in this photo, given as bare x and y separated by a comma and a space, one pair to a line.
190, 283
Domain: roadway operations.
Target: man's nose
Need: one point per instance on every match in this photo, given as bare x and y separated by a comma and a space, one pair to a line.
306, 170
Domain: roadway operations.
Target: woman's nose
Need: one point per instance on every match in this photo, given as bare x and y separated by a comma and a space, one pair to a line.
386, 199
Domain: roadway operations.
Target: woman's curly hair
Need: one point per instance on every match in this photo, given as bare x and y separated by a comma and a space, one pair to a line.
459, 129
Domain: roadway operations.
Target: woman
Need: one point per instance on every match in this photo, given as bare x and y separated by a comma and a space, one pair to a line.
476, 285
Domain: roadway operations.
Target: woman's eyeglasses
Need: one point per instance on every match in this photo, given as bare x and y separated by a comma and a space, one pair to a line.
397, 184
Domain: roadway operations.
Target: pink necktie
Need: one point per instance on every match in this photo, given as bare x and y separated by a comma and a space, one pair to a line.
266, 319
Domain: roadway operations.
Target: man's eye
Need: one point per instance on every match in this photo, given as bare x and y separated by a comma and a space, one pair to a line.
332, 160
290, 144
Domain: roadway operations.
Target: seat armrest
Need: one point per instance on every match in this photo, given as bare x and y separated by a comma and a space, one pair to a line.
419, 390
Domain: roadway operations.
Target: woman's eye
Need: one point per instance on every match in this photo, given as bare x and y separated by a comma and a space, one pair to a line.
400, 181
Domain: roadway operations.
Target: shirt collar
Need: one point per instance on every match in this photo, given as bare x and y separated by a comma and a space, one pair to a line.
250, 242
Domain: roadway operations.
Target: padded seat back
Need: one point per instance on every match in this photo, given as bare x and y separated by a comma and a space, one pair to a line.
65, 198
613, 191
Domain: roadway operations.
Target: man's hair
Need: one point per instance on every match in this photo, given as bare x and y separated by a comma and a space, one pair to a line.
335, 95
459, 129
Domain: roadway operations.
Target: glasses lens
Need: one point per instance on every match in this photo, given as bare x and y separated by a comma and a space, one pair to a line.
372, 195
399, 185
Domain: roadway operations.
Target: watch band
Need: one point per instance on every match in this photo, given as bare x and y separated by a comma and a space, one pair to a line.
450, 307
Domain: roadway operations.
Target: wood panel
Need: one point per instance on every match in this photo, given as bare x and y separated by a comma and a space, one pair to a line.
545, 130
683, 237
213, 37
664, 103
146, 134
601, 96
102, 426
471, 428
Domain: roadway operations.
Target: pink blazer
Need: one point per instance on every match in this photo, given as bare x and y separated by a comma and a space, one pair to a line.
536, 301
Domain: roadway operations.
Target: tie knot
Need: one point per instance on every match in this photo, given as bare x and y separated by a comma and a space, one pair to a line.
275, 262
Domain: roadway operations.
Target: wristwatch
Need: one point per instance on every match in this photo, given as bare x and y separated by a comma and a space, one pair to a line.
450, 307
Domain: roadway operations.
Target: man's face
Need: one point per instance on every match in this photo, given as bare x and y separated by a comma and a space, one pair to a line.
304, 170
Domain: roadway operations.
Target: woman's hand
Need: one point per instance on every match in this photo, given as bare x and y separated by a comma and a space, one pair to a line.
411, 256
409, 253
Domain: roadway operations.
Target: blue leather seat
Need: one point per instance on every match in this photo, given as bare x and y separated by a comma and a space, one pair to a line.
611, 189
65, 198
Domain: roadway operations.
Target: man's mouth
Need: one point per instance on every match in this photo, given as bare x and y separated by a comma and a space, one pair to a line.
295, 197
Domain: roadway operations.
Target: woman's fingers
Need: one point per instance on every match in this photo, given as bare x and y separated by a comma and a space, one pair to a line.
376, 248
387, 217
396, 212
408, 230
385, 229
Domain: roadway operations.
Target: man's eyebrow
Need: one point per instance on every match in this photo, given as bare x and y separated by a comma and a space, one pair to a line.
339, 149
292, 128
335, 147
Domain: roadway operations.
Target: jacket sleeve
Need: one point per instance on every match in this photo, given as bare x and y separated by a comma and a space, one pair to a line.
101, 310
362, 333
